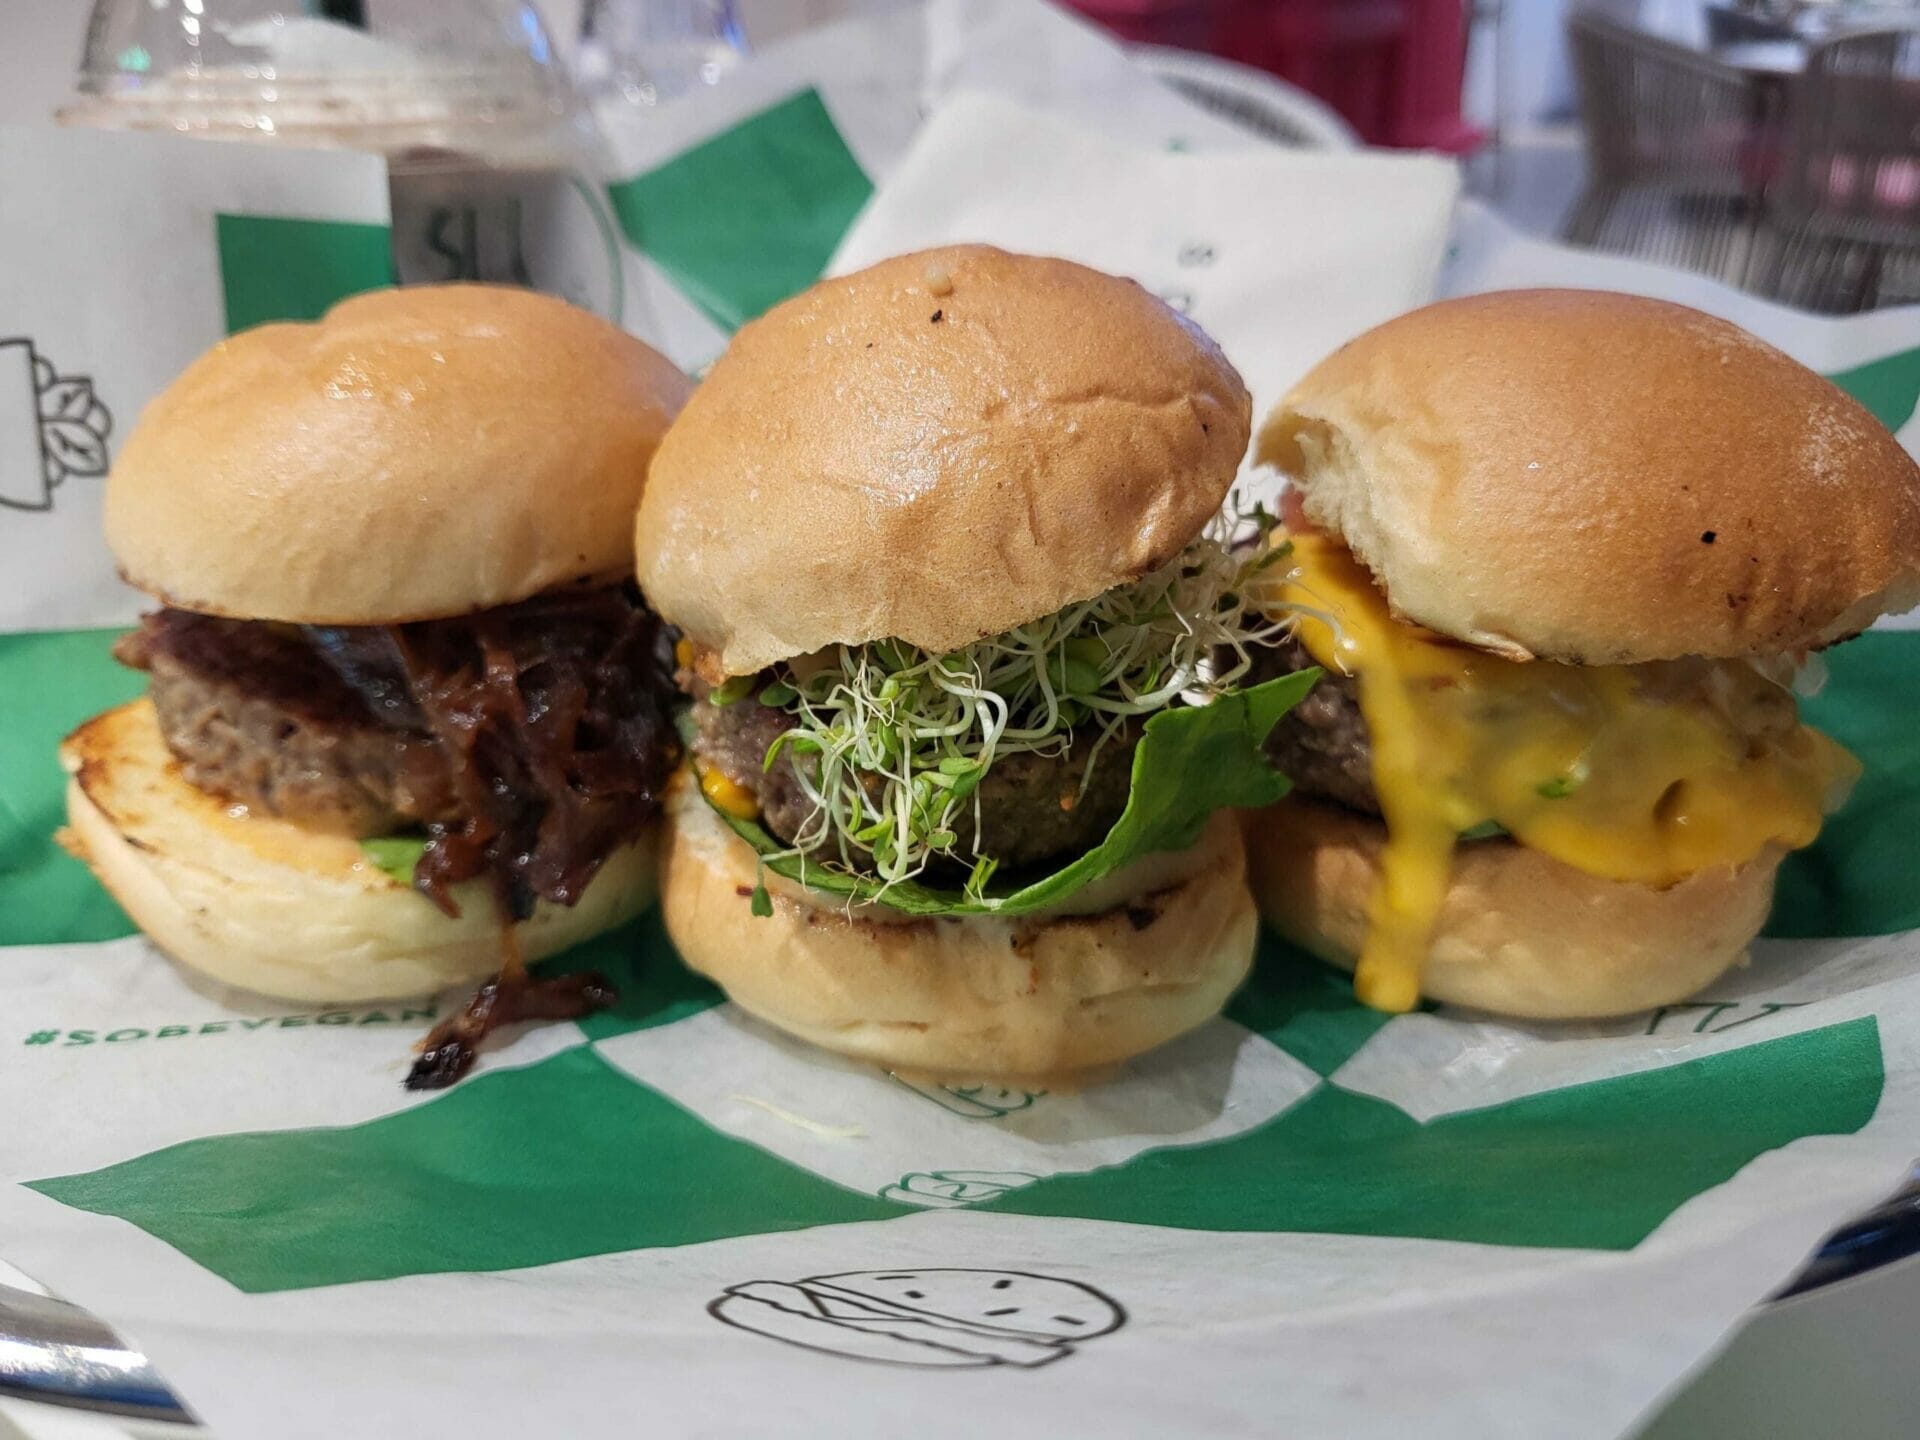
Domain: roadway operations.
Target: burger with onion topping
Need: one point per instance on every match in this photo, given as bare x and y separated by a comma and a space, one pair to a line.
1561, 556
968, 646
407, 722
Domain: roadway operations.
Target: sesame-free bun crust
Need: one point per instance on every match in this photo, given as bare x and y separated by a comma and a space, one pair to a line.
267, 906
417, 453
1538, 472
963, 999
938, 448
1520, 933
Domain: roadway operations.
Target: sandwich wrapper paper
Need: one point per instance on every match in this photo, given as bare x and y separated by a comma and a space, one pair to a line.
125, 256
1303, 1218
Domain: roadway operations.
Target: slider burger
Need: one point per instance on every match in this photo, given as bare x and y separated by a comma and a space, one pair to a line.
966, 649
408, 717
1562, 556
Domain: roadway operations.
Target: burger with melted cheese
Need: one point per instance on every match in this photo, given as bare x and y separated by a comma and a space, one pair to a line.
968, 659
1561, 555
407, 721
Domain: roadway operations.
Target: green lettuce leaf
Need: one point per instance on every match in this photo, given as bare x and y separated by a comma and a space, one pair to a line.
1189, 763
395, 855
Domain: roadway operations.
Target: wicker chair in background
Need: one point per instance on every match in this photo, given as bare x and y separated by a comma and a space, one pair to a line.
1843, 229
1677, 149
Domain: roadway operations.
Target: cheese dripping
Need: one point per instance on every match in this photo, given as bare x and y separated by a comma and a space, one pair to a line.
1640, 773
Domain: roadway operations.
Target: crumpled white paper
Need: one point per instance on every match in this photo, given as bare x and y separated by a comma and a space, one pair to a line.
1281, 255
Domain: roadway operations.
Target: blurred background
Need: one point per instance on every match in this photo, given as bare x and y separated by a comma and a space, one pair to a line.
1772, 144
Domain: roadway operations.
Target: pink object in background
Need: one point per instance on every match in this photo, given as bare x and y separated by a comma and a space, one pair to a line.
1392, 68
1185, 24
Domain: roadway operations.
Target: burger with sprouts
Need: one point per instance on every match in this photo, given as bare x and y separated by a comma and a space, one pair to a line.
967, 642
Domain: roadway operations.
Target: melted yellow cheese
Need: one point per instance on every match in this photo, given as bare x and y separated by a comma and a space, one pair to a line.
736, 800
1642, 773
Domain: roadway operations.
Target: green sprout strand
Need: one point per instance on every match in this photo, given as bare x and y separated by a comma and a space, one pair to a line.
892, 742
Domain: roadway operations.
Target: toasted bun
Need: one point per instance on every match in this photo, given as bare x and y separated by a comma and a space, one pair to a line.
1600, 478
971, 999
1520, 934
418, 453
267, 906
936, 449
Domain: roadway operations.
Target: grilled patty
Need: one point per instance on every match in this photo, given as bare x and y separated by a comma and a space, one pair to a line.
529, 741
1321, 744
252, 712
1030, 807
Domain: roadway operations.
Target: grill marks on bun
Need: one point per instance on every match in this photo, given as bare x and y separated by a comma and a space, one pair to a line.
963, 999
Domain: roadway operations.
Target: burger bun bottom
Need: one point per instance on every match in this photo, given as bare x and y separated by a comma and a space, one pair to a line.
1519, 934
258, 903
967, 998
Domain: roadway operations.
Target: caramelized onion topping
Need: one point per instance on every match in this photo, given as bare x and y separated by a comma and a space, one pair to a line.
553, 716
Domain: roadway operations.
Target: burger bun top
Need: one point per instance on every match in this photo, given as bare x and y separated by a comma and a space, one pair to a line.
416, 453
1601, 478
937, 449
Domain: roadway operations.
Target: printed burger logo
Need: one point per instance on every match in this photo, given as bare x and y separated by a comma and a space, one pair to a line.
949, 1189
52, 427
925, 1317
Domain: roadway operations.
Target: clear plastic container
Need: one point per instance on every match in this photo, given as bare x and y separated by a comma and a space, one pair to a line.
495, 165
651, 52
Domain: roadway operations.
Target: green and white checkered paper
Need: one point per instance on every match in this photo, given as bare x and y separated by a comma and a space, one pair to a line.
1304, 1218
